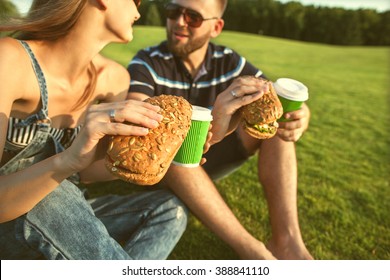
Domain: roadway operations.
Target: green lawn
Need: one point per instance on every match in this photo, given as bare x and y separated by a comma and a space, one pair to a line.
344, 168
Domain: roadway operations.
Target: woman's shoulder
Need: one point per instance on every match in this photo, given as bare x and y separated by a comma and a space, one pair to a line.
112, 76
10, 50
13, 56
13, 59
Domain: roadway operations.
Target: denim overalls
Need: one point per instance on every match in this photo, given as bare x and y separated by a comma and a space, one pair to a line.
64, 225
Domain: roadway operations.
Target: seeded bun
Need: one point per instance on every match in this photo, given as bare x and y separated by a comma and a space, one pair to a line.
144, 160
259, 117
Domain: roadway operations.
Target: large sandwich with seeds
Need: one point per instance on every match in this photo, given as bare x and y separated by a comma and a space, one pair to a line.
144, 160
259, 118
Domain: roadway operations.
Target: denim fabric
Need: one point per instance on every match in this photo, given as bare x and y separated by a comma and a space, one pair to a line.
42, 115
148, 225
64, 225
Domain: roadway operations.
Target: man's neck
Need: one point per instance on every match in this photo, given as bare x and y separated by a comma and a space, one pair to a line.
194, 61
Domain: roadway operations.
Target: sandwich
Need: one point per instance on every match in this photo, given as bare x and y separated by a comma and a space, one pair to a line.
259, 118
144, 160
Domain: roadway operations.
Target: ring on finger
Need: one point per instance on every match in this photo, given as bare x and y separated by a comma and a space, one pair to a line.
111, 114
234, 94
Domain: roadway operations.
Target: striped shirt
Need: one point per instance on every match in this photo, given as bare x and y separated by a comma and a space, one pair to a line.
155, 71
23, 136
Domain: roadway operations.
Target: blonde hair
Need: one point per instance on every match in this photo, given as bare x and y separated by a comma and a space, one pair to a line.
46, 20
50, 20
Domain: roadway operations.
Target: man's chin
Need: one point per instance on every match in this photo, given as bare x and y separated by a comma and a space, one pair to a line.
183, 48
177, 49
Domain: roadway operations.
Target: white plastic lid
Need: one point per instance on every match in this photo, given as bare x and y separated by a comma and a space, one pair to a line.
291, 89
201, 114
185, 164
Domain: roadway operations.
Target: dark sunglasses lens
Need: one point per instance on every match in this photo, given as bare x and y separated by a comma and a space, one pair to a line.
193, 18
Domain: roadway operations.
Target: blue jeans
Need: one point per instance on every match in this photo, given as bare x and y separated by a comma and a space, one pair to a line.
64, 225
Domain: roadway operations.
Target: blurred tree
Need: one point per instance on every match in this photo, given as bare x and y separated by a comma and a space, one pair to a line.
152, 16
369, 20
350, 32
382, 29
7, 8
313, 25
292, 20
233, 16
308, 23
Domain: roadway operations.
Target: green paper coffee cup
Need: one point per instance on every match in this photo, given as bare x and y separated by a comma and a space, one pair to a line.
291, 94
191, 151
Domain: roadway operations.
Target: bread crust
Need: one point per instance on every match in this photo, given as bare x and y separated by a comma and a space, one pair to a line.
144, 160
265, 110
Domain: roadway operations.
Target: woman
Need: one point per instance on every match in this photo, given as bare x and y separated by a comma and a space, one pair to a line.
54, 86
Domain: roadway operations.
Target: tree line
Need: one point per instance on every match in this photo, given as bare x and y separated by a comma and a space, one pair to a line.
290, 20
295, 21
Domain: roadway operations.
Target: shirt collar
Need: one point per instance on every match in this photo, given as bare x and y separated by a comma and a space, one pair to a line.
206, 65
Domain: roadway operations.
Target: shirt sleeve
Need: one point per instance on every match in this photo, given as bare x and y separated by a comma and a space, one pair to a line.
141, 78
240, 62
250, 69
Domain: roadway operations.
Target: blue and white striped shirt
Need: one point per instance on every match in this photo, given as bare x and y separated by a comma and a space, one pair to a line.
155, 71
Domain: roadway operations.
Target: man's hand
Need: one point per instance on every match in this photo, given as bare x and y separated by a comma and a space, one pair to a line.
298, 123
242, 91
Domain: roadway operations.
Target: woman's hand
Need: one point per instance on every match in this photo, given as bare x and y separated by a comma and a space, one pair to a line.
242, 91
298, 123
129, 117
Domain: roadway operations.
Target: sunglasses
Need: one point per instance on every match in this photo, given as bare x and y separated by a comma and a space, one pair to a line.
191, 17
137, 3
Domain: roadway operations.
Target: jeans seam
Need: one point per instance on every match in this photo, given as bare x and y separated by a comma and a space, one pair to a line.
44, 238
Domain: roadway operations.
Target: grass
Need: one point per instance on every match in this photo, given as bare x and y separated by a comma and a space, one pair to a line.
344, 192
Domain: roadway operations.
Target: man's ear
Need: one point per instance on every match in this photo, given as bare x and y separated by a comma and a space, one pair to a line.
217, 28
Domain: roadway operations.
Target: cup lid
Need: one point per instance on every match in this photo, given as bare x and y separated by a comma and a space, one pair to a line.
201, 113
291, 89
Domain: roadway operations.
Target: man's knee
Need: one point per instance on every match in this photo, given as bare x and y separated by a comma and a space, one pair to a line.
250, 144
179, 212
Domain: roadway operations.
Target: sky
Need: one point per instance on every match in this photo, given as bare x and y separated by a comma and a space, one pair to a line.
379, 5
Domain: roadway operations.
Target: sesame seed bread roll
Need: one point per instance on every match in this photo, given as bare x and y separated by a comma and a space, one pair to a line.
144, 160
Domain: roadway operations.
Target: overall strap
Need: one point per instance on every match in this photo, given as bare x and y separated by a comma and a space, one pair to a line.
41, 118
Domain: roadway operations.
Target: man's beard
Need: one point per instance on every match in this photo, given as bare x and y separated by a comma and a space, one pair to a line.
183, 50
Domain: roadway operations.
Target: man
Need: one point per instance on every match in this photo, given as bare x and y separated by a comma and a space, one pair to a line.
187, 64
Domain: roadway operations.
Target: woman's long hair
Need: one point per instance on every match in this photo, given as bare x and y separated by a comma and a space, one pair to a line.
50, 20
